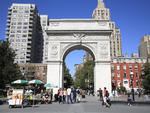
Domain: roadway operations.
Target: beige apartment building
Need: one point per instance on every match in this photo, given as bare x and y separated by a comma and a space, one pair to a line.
23, 33
101, 13
144, 48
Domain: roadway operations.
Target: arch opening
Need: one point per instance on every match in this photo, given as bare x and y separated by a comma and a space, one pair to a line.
87, 65
77, 47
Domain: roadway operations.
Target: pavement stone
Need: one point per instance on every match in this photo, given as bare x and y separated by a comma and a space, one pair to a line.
91, 105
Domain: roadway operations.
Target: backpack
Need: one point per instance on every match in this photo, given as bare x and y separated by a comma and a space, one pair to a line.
107, 94
78, 91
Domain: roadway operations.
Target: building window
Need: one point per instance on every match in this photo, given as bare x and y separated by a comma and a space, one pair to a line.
25, 31
118, 75
21, 62
18, 35
113, 75
11, 40
118, 67
17, 49
136, 74
19, 31
13, 27
23, 45
137, 83
23, 49
119, 83
14, 19
26, 11
25, 23
125, 74
26, 20
113, 67
24, 35
13, 23
20, 15
25, 27
26, 15
22, 57
17, 40
12, 31
124, 67
12, 35
135, 67
19, 23
19, 27
14, 15
23, 40
130, 67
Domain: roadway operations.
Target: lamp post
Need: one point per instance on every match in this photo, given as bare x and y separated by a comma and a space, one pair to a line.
132, 90
65, 81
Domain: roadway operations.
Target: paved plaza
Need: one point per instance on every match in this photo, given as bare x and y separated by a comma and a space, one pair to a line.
90, 106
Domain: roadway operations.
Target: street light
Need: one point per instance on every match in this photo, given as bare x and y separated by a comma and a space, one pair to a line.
132, 90
65, 81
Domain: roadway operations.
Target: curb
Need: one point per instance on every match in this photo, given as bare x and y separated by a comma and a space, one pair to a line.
133, 103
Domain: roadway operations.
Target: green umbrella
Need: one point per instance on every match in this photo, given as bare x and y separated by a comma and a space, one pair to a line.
35, 82
19, 82
48, 85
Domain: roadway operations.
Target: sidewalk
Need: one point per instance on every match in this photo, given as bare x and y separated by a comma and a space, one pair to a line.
123, 100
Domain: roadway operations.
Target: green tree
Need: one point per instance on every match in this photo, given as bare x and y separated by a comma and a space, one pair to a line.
68, 81
9, 71
84, 78
146, 75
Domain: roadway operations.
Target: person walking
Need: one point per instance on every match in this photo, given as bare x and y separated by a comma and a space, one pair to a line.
104, 92
106, 99
64, 95
74, 95
78, 95
60, 95
101, 94
129, 100
69, 95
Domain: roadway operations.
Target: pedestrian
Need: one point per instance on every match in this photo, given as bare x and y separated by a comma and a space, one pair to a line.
74, 95
129, 99
60, 95
106, 99
139, 93
104, 92
64, 95
101, 94
83, 95
51, 94
78, 95
69, 96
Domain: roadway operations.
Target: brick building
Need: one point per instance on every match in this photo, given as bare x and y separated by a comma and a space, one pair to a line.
34, 71
123, 67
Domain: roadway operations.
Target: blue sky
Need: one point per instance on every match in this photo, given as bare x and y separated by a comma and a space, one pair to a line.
131, 16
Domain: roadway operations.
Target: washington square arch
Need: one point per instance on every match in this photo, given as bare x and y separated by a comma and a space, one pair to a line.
91, 35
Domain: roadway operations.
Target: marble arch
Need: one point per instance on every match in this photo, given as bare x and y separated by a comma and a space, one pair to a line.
65, 35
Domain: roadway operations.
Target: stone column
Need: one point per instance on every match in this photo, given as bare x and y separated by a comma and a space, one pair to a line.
54, 73
102, 77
